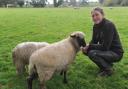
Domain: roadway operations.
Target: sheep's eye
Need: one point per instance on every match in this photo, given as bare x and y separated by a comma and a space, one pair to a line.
77, 37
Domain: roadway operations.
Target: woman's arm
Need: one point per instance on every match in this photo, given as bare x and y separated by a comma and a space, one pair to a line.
94, 42
94, 36
108, 36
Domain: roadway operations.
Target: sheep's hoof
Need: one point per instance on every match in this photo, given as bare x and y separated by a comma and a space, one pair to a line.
29, 82
42, 86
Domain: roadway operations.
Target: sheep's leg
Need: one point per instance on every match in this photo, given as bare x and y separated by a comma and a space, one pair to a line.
23, 68
20, 68
61, 73
45, 76
30, 79
65, 77
42, 85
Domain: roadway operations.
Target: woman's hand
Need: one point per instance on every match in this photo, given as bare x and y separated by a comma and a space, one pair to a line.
84, 49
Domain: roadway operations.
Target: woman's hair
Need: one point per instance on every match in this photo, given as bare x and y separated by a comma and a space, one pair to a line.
98, 9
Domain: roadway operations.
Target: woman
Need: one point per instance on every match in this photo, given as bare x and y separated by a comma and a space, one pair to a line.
105, 47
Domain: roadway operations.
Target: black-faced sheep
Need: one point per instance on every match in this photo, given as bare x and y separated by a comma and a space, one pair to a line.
55, 57
22, 52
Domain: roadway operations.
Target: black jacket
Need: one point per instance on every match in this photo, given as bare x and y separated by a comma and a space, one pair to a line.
105, 37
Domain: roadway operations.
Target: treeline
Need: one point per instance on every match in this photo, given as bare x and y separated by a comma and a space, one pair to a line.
58, 3
114, 2
42, 3
21, 3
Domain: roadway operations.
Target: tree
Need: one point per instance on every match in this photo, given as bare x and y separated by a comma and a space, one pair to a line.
108, 3
39, 3
83, 2
114, 2
58, 2
20, 3
73, 2
5, 2
55, 3
124, 3
101, 1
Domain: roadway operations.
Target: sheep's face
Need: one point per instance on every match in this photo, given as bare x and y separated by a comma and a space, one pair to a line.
79, 37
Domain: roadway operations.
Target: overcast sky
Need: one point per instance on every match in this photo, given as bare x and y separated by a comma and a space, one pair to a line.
51, 1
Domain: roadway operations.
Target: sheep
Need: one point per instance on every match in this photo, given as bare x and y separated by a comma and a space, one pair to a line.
22, 52
53, 58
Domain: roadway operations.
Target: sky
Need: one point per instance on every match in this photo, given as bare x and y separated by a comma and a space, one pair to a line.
51, 1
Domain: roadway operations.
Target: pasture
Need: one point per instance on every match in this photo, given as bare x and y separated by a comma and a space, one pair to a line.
51, 25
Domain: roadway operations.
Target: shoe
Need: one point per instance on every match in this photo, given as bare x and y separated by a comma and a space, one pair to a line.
109, 72
101, 70
106, 72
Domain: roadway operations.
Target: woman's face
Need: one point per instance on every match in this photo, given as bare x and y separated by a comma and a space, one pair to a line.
97, 17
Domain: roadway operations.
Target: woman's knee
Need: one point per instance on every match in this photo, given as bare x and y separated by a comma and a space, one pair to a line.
92, 54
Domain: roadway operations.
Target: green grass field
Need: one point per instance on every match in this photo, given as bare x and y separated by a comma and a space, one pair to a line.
51, 25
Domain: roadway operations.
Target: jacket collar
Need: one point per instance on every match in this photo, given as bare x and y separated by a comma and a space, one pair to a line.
101, 23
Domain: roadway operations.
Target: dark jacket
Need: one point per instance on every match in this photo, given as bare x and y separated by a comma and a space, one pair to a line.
106, 38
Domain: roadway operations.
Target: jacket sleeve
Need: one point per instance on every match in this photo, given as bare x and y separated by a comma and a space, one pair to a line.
94, 40
93, 44
108, 36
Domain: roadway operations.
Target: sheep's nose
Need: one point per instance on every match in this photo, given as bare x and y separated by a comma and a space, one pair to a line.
83, 43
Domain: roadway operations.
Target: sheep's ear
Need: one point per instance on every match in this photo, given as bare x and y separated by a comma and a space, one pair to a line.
72, 35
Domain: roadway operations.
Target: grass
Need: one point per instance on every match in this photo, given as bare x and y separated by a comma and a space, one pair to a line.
21, 25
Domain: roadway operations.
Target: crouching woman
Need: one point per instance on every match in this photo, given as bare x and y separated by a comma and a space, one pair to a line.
105, 47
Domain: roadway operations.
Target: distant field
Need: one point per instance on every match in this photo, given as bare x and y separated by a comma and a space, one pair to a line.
51, 25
